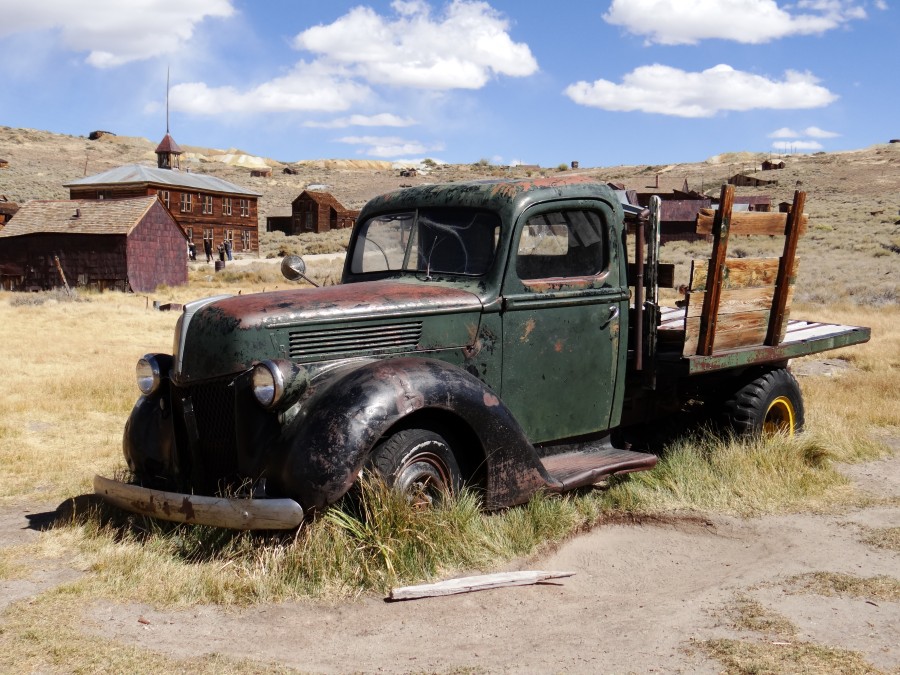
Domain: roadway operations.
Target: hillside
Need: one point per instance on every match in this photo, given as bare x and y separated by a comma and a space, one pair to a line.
853, 196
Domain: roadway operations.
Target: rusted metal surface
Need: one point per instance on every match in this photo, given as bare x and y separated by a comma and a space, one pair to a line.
578, 469
237, 514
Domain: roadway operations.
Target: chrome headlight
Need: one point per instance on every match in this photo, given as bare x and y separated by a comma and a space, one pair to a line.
148, 374
278, 383
268, 383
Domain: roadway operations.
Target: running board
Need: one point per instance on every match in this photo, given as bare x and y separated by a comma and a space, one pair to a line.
577, 469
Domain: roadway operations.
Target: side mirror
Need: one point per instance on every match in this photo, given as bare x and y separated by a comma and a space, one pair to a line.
293, 269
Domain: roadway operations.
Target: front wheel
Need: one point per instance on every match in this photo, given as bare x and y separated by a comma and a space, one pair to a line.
770, 404
419, 463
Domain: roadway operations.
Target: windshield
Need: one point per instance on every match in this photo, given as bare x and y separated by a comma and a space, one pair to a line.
431, 241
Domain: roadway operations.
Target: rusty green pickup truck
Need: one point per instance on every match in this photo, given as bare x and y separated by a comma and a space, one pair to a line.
492, 334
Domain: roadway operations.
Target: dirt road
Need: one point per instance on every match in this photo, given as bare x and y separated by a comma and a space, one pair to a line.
643, 597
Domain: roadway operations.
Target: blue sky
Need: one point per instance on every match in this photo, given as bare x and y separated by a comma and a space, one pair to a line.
604, 83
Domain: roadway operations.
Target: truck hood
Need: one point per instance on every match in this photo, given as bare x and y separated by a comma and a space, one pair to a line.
375, 318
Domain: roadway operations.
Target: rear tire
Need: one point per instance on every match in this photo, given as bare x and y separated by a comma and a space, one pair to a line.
419, 463
769, 404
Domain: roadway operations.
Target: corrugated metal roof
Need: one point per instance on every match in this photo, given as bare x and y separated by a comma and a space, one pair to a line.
95, 216
140, 174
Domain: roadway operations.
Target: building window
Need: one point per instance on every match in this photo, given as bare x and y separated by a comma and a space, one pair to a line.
208, 233
245, 208
207, 204
186, 202
189, 231
226, 206
164, 197
228, 236
246, 240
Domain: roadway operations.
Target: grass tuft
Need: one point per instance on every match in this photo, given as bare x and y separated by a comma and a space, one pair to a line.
884, 537
832, 583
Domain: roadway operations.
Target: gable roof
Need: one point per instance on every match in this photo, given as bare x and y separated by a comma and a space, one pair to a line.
139, 174
321, 198
95, 216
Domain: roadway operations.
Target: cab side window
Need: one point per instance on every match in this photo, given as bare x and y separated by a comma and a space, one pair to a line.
556, 244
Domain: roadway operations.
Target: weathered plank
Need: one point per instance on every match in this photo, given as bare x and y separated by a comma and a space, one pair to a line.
740, 273
750, 223
743, 329
781, 303
715, 271
481, 582
735, 300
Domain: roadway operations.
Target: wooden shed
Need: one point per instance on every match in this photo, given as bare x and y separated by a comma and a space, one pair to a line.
4, 163
127, 244
315, 211
772, 165
7, 210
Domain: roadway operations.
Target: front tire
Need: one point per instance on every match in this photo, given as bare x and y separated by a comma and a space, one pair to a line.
419, 463
769, 404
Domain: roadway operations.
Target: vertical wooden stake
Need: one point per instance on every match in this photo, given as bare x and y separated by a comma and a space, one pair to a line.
785, 268
716, 274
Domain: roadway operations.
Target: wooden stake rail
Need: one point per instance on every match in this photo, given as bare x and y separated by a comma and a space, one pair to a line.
741, 302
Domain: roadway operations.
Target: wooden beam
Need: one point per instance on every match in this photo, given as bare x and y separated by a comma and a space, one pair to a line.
785, 271
739, 273
750, 223
721, 228
477, 583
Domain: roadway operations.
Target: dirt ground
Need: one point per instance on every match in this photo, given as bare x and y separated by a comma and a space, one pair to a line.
643, 596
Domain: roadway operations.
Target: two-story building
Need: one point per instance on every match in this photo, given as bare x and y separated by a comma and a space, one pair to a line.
206, 207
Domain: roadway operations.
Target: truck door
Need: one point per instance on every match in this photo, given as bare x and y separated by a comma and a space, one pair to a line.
565, 307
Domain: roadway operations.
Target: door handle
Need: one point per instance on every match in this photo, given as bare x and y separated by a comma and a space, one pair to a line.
613, 314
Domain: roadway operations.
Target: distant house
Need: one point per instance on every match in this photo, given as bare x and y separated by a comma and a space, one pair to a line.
762, 203
204, 206
4, 163
261, 173
7, 210
769, 165
279, 220
740, 179
319, 212
123, 244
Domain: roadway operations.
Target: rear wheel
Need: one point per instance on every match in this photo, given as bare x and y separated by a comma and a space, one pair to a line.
419, 463
769, 404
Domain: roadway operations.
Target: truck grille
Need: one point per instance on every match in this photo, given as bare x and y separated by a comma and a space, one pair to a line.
372, 339
214, 412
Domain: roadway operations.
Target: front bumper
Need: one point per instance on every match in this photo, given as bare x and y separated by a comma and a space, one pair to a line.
237, 514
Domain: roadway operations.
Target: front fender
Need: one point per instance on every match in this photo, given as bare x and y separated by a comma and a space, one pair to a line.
148, 442
323, 449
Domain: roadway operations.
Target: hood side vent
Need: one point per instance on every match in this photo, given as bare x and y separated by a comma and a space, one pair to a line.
371, 339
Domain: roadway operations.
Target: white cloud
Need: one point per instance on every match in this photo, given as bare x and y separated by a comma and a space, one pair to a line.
790, 146
111, 31
810, 132
784, 132
881, 4
676, 22
461, 49
816, 132
379, 120
389, 146
669, 91
309, 87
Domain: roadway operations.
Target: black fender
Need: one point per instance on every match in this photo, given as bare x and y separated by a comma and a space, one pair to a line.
148, 442
323, 449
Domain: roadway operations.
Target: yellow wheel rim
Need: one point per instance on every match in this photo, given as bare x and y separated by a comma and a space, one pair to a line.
779, 417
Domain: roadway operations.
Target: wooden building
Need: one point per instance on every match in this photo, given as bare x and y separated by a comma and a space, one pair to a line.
319, 212
204, 206
771, 165
740, 179
4, 163
261, 173
131, 243
7, 210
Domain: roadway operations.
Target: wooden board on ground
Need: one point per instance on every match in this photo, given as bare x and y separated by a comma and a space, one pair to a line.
481, 582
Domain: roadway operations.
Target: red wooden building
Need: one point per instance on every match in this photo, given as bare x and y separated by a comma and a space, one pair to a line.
125, 244
204, 206
315, 211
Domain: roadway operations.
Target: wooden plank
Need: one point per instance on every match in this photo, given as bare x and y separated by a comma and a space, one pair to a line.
665, 278
781, 302
733, 301
740, 273
748, 223
716, 269
481, 582
743, 329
